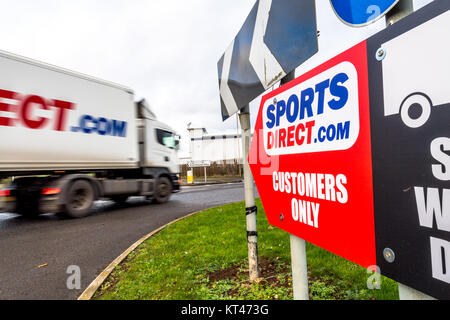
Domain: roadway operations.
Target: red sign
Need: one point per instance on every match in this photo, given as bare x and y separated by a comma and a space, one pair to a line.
311, 157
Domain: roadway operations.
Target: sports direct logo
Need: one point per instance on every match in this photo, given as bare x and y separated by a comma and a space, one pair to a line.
317, 115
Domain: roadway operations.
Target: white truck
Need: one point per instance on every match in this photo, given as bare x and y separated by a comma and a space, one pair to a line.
68, 139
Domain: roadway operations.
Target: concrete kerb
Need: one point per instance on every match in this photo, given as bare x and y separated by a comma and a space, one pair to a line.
89, 292
195, 184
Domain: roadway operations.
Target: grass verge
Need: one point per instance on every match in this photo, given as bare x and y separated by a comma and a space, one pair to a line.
205, 257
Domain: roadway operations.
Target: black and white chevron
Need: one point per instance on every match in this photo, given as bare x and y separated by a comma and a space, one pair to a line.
277, 36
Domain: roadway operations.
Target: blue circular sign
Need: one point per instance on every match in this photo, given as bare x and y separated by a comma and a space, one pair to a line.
361, 12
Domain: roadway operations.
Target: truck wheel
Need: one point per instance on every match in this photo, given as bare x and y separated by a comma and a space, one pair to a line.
163, 190
419, 101
79, 199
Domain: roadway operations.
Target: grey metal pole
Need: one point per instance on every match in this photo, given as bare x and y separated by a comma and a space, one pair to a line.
252, 234
298, 249
401, 10
206, 178
407, 293
238, 156
299, 268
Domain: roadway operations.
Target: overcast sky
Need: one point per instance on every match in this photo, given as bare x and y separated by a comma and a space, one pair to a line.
167, 51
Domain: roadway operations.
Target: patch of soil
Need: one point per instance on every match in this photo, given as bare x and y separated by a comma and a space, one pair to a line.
271, 272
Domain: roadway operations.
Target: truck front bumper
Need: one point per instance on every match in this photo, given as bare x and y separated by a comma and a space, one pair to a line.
176, 183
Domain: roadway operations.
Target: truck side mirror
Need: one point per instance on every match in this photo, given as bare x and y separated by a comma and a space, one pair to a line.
177, 142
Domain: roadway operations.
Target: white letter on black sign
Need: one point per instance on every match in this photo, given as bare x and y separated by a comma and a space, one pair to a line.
440, 259
432, 206
441, 171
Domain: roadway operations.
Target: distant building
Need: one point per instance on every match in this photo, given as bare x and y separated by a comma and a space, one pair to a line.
218, 148
184, 160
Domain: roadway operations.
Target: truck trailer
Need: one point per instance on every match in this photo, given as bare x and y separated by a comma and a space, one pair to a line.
68, 139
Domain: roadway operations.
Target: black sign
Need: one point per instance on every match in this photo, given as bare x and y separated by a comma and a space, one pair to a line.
410, 124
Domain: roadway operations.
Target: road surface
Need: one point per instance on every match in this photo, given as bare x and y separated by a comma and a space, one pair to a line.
36, 254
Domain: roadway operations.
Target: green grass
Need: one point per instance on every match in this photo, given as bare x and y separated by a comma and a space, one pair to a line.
178, 263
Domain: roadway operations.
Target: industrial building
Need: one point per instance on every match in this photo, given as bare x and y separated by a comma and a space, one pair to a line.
217, 148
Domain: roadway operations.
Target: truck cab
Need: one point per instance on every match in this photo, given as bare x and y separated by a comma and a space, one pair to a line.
159, 143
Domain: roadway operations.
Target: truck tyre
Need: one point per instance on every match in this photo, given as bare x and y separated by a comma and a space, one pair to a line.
163, 190
79, 199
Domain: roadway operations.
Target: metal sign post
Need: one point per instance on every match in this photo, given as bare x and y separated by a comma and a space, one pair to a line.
298, 248
199, 164
299, 268
401, 10
407, 293
251, 210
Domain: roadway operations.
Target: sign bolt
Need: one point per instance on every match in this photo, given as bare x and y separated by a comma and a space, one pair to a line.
389, 255
381, 54
281, 217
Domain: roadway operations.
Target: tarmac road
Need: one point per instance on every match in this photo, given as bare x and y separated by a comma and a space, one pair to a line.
36, 254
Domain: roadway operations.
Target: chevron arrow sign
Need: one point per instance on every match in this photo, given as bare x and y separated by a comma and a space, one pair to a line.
276, 37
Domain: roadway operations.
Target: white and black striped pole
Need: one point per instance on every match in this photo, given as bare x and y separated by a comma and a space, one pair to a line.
298, 248
251, 210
